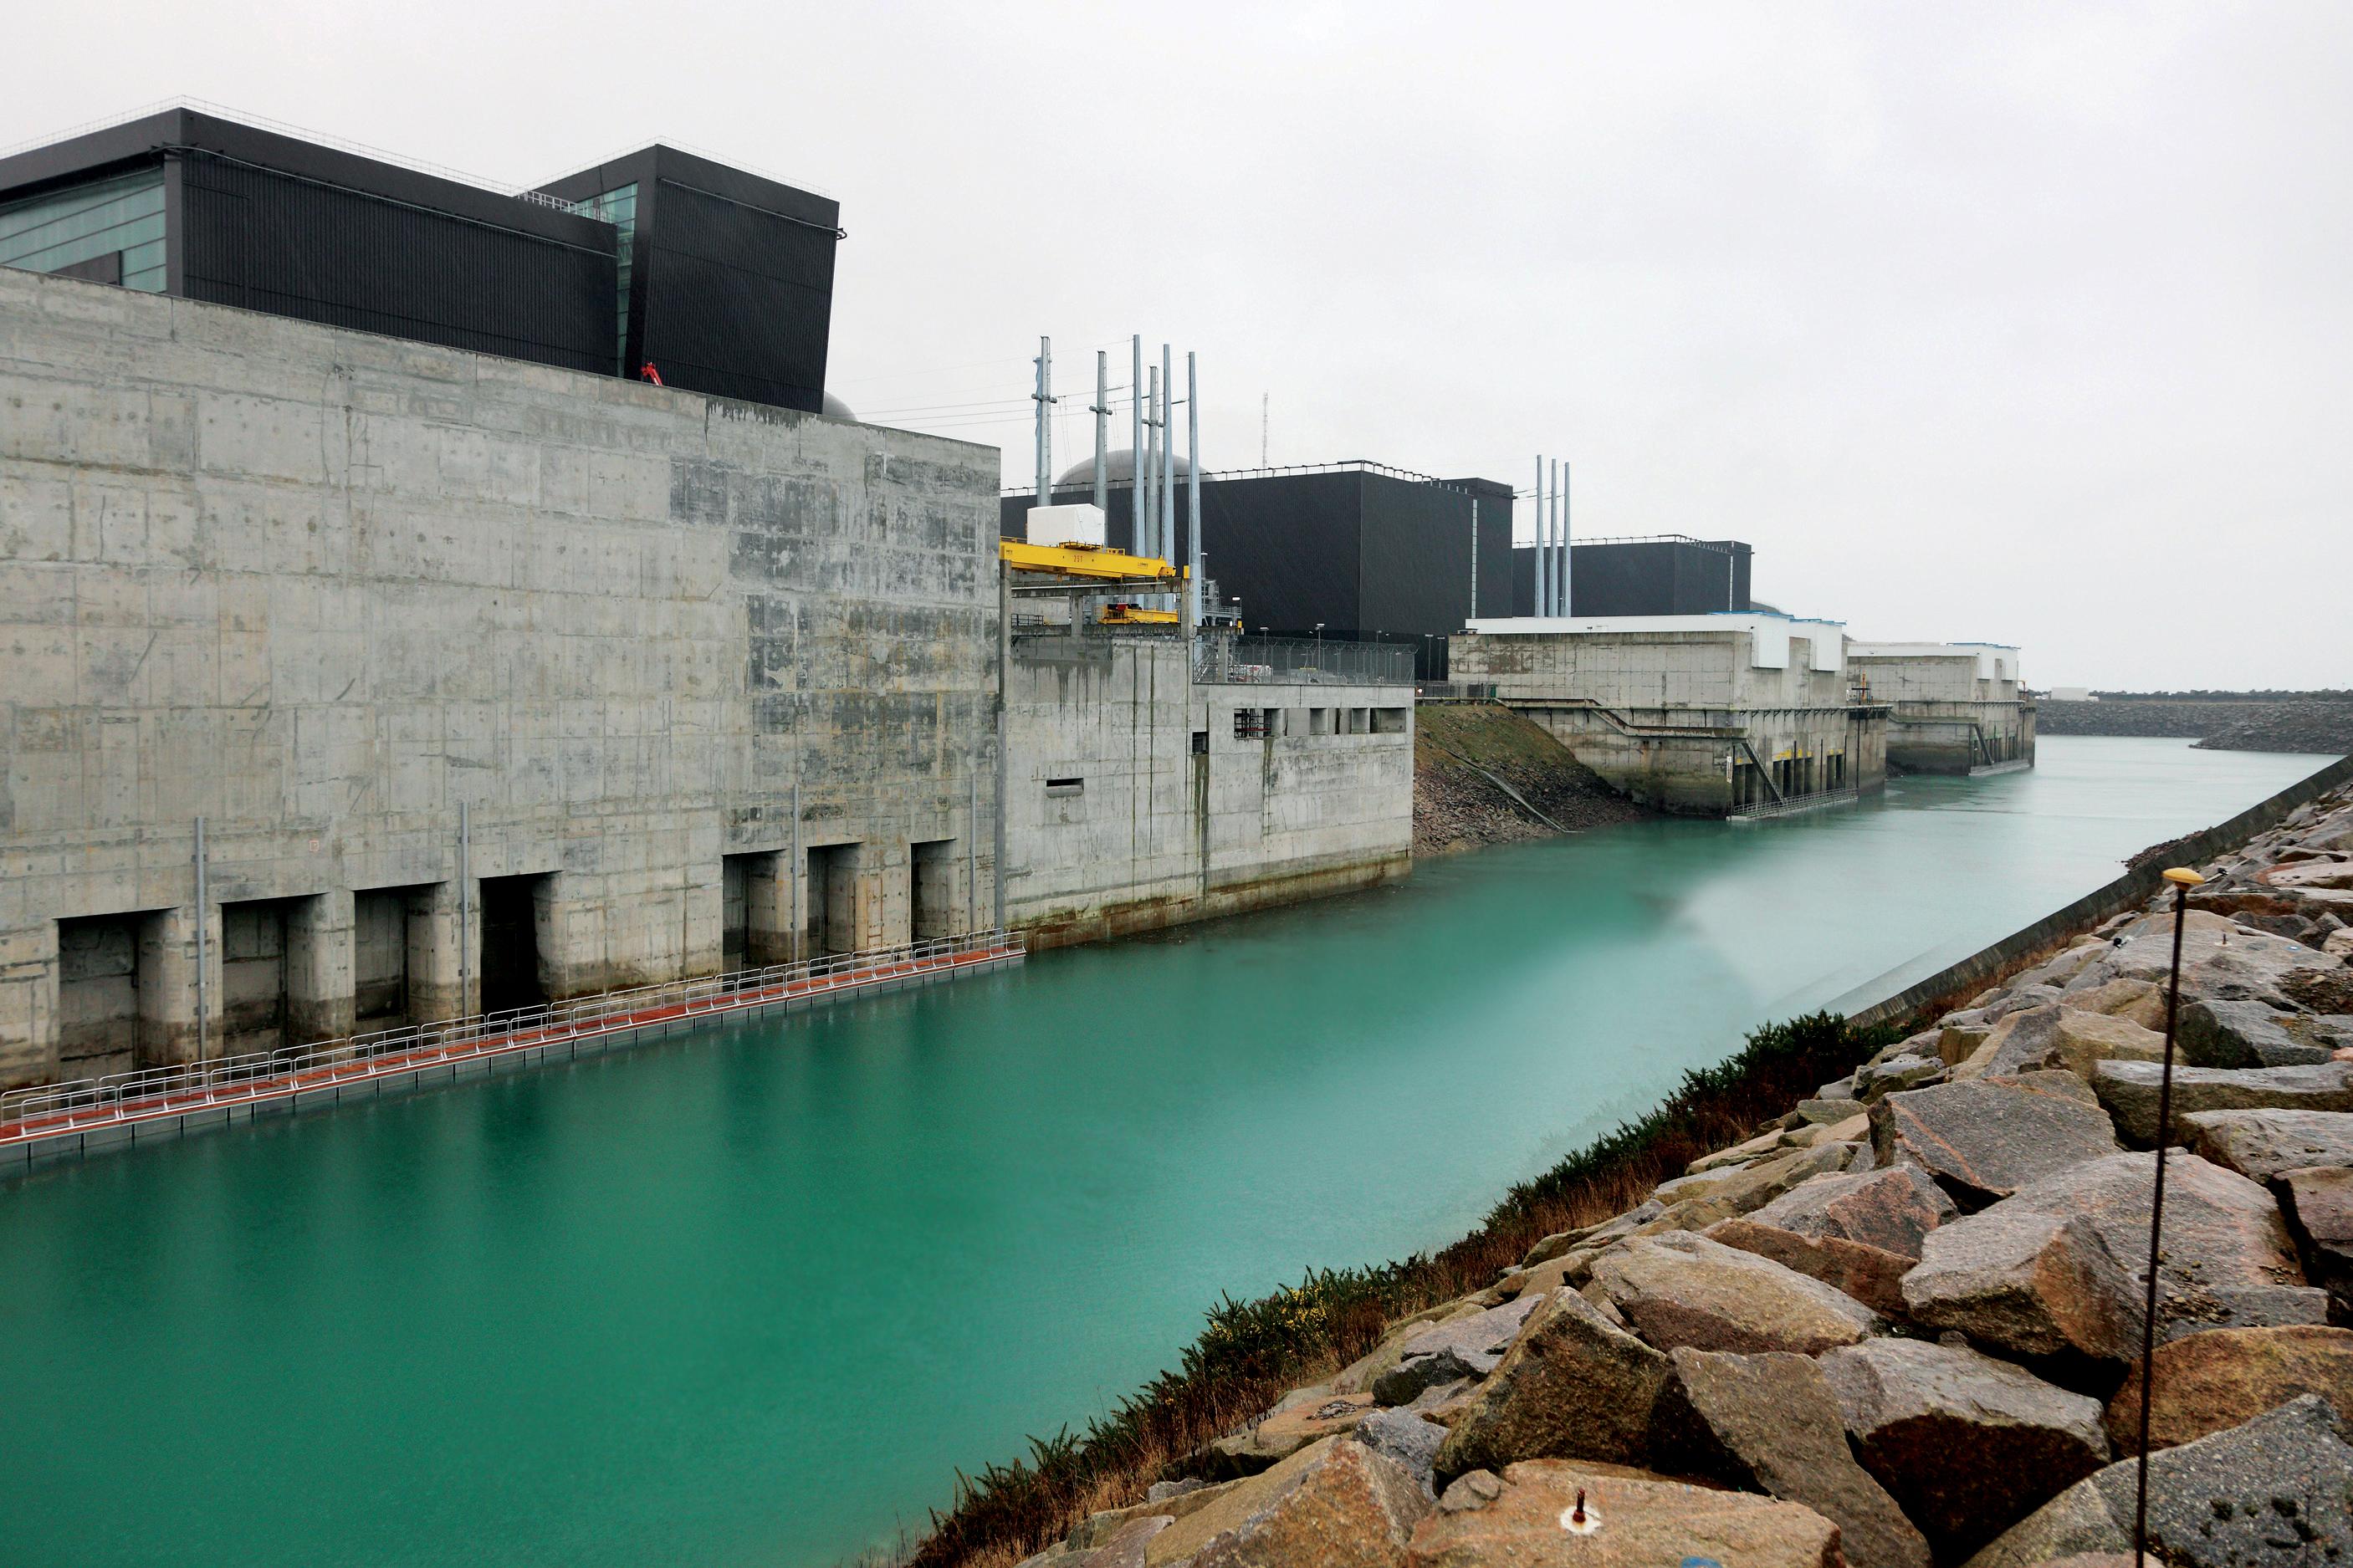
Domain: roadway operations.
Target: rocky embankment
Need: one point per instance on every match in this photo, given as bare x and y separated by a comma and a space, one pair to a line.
1900, 1327
1482, 775
2322, 724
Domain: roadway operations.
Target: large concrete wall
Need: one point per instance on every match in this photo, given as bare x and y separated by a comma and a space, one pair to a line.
1136, 799
322, 589
1957, 706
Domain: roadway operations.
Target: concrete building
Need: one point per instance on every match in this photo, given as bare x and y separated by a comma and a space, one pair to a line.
1364, 551
1958, 707
1708, 714
1665, 574
707, 679
1141, 797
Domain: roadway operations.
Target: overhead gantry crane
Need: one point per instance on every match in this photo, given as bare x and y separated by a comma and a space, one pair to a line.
1092, 572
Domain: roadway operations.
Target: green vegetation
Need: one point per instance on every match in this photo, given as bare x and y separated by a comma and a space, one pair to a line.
1252, 1351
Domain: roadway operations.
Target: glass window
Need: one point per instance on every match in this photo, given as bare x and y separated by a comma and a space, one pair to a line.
619, 208
83, 223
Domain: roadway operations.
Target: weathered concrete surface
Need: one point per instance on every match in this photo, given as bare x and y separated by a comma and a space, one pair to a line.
323, 588
1115, 822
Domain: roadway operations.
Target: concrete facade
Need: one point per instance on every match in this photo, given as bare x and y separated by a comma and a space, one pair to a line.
1958, 707
1139, 798
324, 590
1704, 714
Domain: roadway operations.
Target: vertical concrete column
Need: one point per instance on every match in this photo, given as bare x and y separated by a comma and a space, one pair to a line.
435, 970
167, 985
320, 976
28, 1004
704, 923
771, 923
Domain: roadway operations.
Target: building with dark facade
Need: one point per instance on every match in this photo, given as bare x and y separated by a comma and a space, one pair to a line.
1368, 552
722, 281
1670, 575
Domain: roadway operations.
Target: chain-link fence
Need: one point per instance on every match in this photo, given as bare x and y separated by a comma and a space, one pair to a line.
1302, 661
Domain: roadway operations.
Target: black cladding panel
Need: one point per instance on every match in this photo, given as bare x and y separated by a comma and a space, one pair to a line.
267, 241
1417, 558
1643, 577
738, 301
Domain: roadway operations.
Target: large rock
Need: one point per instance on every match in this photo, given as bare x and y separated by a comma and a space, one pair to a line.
2138, 1002
1966, 1443
2219, 958
2319, 1205
2227, 1259
1893, 1209
1408, 1439
1124, 1547
2067, 1039
1338, 1502
1632, 1520
1984, 1140
2027, 1282
1771, 1424
2269, 1494
2262, 1145
1289, 1427
2209, 1383
1449, 1351
1683, 1290
1898, 1072
1717, 1194
1872, 1275
2217, 1033
1574, 1385
2130, 1091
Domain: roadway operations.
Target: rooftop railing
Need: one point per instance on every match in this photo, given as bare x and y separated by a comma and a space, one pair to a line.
1300, 661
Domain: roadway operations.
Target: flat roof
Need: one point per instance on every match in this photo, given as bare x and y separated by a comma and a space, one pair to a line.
1769, 633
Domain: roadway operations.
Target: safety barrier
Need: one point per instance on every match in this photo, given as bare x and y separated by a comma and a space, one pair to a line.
120, 1100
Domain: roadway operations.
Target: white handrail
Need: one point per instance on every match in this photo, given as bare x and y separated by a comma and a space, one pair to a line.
114, 1097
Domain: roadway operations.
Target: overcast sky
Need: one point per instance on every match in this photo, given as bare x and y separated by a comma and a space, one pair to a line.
2022, 323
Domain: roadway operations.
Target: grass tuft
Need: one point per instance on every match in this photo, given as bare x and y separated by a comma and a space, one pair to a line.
1250, 1353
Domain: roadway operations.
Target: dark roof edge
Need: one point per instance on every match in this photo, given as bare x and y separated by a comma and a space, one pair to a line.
649, 165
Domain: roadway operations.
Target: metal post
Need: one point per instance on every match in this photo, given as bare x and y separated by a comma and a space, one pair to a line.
1192, 500
1543, 597
1167, 461
1147, 470
465, 912
201, 923
972, 840
2182, 880
1568, 578
1135, 448
1552, 539
1103, 428
1045, 424
800, 868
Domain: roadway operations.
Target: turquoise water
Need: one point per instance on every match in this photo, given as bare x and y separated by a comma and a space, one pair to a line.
750, 1297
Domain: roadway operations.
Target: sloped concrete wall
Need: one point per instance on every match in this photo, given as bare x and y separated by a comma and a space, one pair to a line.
323, 588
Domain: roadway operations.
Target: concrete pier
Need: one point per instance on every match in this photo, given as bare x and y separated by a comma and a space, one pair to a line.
1957, 706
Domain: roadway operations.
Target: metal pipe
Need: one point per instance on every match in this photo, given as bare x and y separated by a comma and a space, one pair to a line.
1134, 451
1192, 497
2183, 880
1541, 598
1168, 461
201, 923
972, 827
1103, 428
800, 866
1045, 424
1004, 672
1567, 561
1147, 470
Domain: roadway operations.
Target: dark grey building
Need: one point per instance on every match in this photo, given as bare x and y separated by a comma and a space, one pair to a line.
1373, 554
1668, 574
722, 279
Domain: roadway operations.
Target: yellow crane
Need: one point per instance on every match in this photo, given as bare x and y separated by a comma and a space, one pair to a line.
1089, 561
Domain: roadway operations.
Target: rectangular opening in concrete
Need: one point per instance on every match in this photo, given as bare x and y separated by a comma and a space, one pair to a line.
387, 930
754, 925
1066, 786
510, 957
832, 892
253, 977
99, 1000
1389, 720
931, 889
1250, 723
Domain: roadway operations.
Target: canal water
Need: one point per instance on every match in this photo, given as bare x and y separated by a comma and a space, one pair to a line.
750, 1297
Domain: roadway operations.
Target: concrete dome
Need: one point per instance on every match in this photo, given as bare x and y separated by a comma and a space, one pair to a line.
1118, 464
835, 408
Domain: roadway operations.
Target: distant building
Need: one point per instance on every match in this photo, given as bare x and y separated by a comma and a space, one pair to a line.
1958, 707
1668, 574
1367, 553
1714, 715
722, 281
2072, 694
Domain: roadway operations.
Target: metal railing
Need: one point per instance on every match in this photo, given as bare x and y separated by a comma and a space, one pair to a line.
1302, 661
1455, 691
123, 1096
